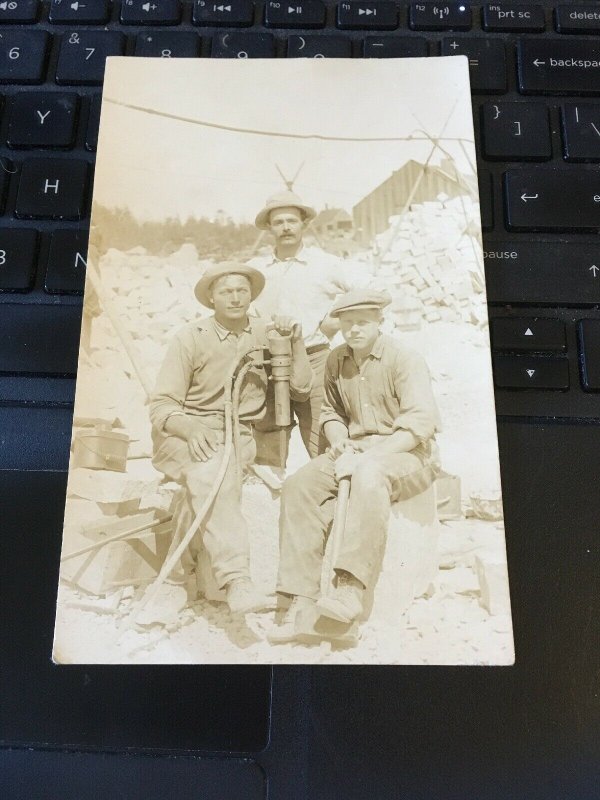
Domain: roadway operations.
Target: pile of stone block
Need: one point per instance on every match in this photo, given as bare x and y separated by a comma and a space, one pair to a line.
430, 258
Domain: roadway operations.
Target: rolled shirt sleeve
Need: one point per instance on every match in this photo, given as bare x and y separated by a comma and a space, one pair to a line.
301, 379
418, 409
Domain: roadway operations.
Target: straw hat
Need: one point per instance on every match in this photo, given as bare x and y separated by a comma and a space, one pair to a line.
282, 200
202, 290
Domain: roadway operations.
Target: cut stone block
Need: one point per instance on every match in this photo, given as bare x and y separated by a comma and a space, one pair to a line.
129, 562
493, 585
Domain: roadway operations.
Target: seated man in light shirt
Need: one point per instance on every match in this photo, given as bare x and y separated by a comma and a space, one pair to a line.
302, 282
187, 411
380, 420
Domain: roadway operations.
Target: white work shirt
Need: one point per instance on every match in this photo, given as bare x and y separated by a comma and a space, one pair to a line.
305, 287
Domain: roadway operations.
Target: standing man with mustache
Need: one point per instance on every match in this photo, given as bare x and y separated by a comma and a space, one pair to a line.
303, 283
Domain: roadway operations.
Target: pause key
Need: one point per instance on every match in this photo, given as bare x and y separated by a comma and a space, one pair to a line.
52, 188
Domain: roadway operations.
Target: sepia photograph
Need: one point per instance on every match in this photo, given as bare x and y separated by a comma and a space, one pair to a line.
284, 445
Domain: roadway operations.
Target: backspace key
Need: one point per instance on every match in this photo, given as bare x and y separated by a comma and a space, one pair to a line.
559, 66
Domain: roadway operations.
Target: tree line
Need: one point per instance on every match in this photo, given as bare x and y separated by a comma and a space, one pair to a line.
119, 228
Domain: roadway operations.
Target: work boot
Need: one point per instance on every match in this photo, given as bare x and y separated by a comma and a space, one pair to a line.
286, 630
243, 597
345, 604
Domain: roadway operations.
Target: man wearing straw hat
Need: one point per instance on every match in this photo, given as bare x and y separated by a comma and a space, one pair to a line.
380, 419
302, 282
187, 411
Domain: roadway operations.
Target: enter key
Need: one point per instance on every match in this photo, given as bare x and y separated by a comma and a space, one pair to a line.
552, 200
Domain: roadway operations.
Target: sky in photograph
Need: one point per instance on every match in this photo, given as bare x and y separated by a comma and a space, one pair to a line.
189, 137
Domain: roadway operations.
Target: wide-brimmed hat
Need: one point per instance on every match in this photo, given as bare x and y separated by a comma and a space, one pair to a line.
256, 278
360, 298
282, 200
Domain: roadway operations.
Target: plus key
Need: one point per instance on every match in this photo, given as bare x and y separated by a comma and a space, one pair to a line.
487, 62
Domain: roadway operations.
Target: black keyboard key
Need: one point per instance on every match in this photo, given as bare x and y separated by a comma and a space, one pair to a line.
355, 15
589, 347
83, 55
44, 340
486, 200
577, 19
23, 56
559, 66
6, 170
319, 47
91, 136
439, 16
52, 188
394, 47
42, 119
510, 17
67, 260
543, 273
581, 132
234, 13
531, 372
150, 12
243, 45
168, 44
528, 333
19, 11
299, 14
487, 62
516, 131
88, 12
552, 199
18, 254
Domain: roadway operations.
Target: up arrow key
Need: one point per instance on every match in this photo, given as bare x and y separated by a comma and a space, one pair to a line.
528, 332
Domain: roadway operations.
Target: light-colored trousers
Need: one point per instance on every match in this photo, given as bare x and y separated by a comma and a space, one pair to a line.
224, 532
308, 505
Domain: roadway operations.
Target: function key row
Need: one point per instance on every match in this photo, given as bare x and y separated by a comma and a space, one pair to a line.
351, 15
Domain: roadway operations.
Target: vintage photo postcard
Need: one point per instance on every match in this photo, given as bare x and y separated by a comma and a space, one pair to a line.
284, 443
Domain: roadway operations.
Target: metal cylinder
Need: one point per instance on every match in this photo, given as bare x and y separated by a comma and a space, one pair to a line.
280, 348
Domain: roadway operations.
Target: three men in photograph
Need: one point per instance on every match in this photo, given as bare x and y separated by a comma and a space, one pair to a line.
187, 411
379, 418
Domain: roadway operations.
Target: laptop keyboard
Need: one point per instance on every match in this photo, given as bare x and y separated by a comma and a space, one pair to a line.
537, 135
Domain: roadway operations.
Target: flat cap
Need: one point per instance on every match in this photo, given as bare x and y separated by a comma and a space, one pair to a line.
215, 271
360, 298
282, 200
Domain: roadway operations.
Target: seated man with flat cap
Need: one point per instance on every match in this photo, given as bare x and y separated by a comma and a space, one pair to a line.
187, 412
379, 418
